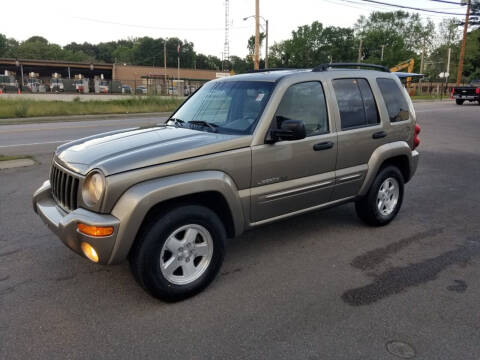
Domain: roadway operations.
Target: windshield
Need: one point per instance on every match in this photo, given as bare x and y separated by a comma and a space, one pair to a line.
232, 107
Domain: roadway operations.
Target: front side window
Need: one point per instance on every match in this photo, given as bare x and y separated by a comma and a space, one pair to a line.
232, 107
305, 101
394, 100
356, 103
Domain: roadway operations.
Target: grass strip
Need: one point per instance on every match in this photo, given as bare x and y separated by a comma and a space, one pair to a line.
14, 157
23, 108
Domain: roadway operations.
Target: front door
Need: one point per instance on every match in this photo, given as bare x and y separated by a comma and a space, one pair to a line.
290, 176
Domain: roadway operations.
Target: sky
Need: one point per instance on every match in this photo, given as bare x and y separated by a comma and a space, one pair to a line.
201, 22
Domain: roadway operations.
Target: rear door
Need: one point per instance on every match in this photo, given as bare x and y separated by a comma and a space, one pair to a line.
360, 133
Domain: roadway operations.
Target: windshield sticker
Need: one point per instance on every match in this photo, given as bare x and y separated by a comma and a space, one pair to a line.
259, 97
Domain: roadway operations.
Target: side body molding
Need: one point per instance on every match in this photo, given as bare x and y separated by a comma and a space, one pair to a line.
134, 204
382, 153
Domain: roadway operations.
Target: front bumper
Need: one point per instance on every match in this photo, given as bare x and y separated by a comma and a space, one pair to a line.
64, 224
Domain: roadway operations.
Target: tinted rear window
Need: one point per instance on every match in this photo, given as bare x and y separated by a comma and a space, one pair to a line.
394, 100
356, 103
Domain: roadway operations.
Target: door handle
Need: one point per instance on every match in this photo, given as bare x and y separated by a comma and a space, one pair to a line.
379, 135
323, 146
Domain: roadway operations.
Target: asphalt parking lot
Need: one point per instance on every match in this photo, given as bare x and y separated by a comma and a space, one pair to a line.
318, 286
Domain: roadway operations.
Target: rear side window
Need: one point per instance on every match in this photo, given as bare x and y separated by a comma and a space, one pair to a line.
356, 103
394, 99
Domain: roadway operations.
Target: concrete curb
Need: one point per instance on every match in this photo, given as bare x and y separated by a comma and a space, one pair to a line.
47, 119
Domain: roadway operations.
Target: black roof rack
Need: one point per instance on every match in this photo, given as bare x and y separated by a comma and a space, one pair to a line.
265, 70
324, 67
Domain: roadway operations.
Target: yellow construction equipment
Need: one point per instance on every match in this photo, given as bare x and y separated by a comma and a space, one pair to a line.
404, 64
409, 64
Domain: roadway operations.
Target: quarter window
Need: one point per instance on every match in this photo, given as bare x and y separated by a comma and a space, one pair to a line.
356, 103
394, 100
305, 101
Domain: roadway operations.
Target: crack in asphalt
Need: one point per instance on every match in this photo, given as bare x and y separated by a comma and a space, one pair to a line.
459, 287
12, 288
7, 253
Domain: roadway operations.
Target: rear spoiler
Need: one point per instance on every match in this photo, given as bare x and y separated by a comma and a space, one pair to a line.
403, 75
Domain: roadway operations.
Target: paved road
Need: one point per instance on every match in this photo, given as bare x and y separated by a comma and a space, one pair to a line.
319, 286
43, 138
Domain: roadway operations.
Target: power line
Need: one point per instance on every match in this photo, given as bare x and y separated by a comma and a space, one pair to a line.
412, 8
152, 27
447, 2
363, 6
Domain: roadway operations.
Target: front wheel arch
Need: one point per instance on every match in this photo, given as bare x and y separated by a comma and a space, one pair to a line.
212, 200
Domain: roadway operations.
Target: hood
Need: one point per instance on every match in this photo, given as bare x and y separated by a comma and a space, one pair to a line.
124, 150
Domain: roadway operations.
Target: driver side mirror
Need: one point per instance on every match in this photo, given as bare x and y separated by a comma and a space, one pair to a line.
289, 130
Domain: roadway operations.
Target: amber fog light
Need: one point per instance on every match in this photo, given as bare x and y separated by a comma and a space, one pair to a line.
89, 252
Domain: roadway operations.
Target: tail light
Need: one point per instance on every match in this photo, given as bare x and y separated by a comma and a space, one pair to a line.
416, 140
451, 94
477, 91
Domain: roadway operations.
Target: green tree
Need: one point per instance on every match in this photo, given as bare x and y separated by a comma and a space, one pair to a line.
3, 45
38, 47
402, 35
313, 44
251, 44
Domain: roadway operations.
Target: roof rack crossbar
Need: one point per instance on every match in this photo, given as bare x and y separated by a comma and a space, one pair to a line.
269, 69
324, 67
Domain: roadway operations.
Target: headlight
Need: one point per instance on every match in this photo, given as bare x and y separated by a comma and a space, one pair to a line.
93, 188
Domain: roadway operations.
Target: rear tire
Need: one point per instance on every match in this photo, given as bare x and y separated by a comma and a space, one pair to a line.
459, 102
384, 198
179, 252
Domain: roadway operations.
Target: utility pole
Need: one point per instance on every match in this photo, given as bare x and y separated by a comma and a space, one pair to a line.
266, 44
422, 61
422, 64
360, 51
165, 62
448, 67
178, 61
257, 34
464, 42
381, 57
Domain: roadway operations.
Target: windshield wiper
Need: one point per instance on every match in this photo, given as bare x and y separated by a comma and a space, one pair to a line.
212, 126
177, 122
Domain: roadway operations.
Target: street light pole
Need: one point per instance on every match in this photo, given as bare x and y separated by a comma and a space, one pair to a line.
257, 34
266, 44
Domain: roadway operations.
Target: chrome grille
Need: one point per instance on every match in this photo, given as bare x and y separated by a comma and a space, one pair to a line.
64, 188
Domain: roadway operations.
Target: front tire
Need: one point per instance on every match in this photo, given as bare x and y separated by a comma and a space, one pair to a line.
383, 201
459, 102
179, 252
